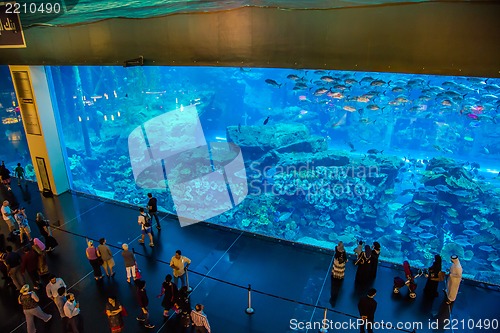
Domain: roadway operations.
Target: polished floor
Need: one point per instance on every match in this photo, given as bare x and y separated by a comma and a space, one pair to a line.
287, 279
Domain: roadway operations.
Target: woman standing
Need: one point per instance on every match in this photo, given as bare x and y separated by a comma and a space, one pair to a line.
374, 260
431, 287
93, 257
114, 311
29, 301
338, 271
42, 267
44, 227
364, 268
107, 257
169, 292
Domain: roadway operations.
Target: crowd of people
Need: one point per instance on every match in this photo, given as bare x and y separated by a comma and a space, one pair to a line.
367, 265
28, 273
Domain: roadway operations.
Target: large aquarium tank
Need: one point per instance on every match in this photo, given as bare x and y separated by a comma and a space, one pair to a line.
13, 137
308, 156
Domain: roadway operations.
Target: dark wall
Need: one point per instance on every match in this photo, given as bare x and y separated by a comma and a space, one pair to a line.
454, 38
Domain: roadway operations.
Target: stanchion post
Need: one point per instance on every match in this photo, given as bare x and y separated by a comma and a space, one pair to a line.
249, 310
324, 329
189, 289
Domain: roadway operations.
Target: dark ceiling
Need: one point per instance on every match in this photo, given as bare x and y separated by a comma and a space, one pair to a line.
452, 38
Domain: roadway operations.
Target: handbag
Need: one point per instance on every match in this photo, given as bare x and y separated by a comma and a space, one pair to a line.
124, 311
99, 258
138, 274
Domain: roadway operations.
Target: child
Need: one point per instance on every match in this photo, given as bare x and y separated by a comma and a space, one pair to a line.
19, 171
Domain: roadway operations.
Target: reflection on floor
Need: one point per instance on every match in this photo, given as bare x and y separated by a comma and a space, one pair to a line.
292, 272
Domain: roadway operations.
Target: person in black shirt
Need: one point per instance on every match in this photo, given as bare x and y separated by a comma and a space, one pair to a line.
13, 263
367, 307
143, 300
153, 209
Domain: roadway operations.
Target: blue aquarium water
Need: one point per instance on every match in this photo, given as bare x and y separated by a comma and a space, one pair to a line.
12, 138
309, 156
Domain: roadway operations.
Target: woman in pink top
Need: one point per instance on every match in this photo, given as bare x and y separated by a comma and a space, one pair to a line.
93, 257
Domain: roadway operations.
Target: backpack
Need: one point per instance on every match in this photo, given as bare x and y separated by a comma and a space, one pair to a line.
147, 221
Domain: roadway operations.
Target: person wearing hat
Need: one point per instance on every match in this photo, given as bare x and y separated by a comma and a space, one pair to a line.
453, 280
29, 301
338, 271
367, 306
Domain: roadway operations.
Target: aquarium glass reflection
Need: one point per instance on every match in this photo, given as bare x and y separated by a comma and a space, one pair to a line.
410, 161
13, 141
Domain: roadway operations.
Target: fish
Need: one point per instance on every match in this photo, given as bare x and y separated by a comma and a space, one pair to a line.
461, 193
320, 91
350, 81
470, 224
239, 128
327, 78
341, 87
266, 121
486, 248
468, 138
426, 235
273, 83
470, 233
378, 83
300, 86
442, 188
303, 112
486, 150
373, 107
351, 146
285, 216
292, 77
462, 242
362, 99
349, 108
375, 151
426, 223
335, 95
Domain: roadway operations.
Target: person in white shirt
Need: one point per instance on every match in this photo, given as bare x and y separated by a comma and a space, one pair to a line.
179, 264
200, 321
454, 280
8, 216
52, 292
72, 312
144, 221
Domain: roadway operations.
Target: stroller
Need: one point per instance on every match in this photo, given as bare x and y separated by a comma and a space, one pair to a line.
410, 280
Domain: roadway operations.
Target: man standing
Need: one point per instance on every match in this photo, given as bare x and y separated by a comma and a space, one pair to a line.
52, 292
145, 222
8, 216
179, 264
13, 262
200, 321
153, 209
453, 280
367, 307
19, 171
72, 312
